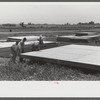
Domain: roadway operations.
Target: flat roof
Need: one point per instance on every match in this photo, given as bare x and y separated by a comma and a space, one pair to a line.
79, 37
89, 33
73, 55
9, 44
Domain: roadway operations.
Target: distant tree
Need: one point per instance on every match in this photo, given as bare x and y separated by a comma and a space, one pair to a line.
85, 23
22, 24
67, 24
29, 23
97, 23
79, 23
45, 24
91, 22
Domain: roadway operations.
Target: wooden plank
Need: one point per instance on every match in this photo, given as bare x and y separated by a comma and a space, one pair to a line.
29, 38
5, 46
73, 55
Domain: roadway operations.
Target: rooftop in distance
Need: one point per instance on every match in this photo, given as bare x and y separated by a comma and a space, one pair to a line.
80, 37
85, 33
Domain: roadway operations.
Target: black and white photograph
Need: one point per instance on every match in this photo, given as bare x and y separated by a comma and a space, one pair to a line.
49, 49
49, 41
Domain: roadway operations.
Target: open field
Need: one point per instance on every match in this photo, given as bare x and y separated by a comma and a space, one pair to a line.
37, 71
49, 34
43, 71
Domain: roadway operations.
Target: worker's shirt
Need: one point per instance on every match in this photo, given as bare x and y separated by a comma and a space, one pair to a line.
15, 48
21, 46
40, 40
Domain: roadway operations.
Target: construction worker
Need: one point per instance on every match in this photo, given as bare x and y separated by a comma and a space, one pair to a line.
35, 46
14, 52
40, 42
21, 47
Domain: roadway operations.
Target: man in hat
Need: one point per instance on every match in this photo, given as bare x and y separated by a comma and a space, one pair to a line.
14, 52
21, 47
40, 42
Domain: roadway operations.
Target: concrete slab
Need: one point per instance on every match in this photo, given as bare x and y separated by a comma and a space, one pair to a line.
73, 55
85, 33
29, 38
73, 38
5, 46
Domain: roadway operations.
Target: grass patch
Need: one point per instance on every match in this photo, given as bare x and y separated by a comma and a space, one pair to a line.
43, 72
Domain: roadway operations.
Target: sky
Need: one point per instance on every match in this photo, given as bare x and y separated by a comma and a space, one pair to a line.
49, 12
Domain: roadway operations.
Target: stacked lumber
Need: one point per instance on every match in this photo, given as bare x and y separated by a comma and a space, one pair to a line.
84, 39
5, 47
29, 38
